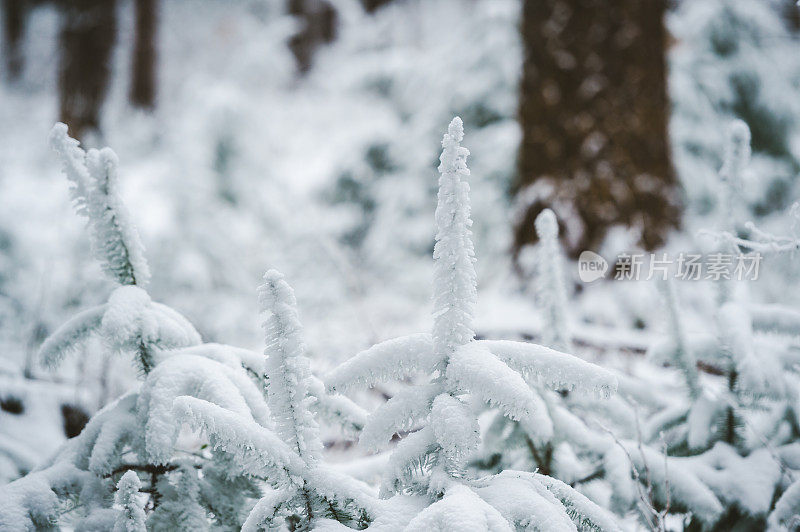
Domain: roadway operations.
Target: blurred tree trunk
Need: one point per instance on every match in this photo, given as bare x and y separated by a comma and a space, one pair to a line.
14, 12
88, 32
317, 19
593, 111
143, 75
370, 6
791, 11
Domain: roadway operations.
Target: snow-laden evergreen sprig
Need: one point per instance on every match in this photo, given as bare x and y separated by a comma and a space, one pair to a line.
132, 517
287, 369
736, 159
464, 375
550, 287
130, 321
748, 419
454, 279
286, 452
139, 433
95, 192
217, 389
682, 354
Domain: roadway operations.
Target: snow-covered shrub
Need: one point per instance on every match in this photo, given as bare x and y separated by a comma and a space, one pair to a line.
742, 421
464, 375
594, 446
129, 321
136, 445
287, 455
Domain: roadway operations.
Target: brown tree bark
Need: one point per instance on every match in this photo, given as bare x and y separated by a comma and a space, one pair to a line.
317, 20
88, 32
143, 75
370, 6
593, 111
13, 30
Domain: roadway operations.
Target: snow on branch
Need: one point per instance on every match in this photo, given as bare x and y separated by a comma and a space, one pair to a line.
255, 450
736, 159
132, 517
33, 502
267, 514
287, 369
476, 370
455, 281
403, 412
115, 240
198, 377
586, 514
550, 287
525, 502
460, 509
557, 370
393, 359
70, 336
414, 455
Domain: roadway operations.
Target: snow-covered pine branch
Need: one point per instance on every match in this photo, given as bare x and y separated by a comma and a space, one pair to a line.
130, 321
454, 279
682, 356
736, 159
115, 240
285, 453
464, 376
132, 517
187, 484
287, 371
550, 287
393, 359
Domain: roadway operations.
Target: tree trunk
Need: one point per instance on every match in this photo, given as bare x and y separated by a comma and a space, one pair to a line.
88, 32
593, 111
791, 11
317, 20
143, 75
14, 12
370, 6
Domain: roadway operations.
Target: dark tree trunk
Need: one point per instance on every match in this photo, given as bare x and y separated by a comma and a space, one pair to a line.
14, 12
88, 33
317, 20
143, 76
593, 111
370, 6
791, 12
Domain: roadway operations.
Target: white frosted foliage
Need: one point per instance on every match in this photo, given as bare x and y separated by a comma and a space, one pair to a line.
454, 292
464, 376
550, 289
455, 428
287, 369
115, 240
132, 517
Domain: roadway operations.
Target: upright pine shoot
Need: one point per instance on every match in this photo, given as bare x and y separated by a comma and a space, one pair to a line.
115, 240
737, 156
455, 292
465, 375
132, 517
550, 284
287, 369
